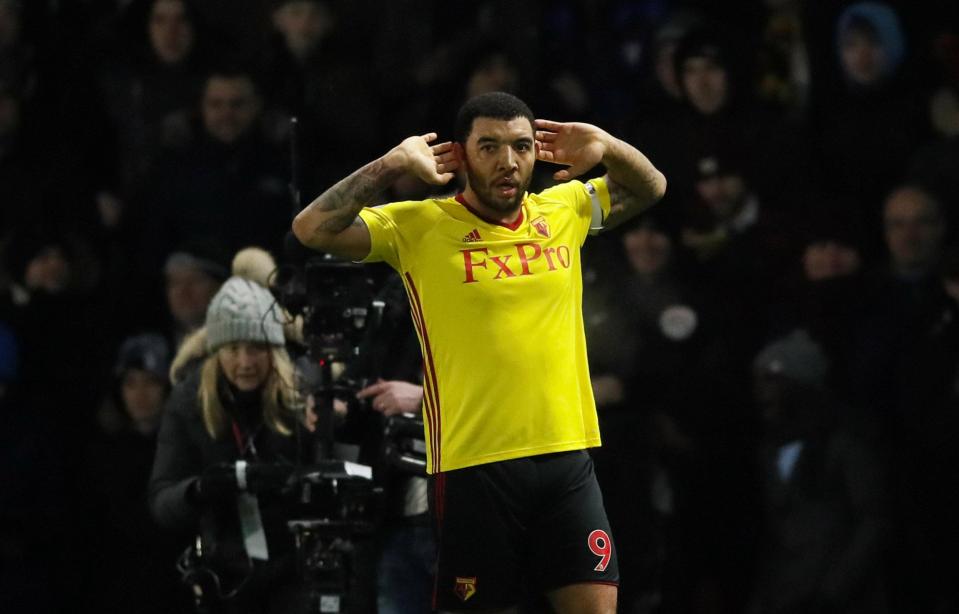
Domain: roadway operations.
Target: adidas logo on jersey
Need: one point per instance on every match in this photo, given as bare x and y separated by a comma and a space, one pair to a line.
472, 237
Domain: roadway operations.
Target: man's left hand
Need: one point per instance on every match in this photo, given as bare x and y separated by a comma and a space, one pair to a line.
577, 145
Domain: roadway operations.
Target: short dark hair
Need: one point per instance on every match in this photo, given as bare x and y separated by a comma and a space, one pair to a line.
494, 105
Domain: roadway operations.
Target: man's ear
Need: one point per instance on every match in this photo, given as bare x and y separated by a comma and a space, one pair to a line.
460, 152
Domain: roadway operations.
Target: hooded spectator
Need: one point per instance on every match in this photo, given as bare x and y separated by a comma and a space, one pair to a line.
870, 44
127, 558
860, 155
718, 109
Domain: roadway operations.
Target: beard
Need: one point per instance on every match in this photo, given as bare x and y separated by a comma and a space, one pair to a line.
487, 195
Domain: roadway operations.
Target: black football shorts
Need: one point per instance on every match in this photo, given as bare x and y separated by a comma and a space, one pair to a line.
513, 528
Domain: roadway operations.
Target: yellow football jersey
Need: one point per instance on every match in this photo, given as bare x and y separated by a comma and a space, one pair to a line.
498, 310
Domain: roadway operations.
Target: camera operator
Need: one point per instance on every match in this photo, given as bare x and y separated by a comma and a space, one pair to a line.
230, 438
390, 354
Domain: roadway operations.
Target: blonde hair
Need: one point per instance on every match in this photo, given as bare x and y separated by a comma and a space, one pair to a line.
281, 401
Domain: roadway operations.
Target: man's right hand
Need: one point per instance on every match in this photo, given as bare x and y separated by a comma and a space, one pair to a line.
434, 164
331, 224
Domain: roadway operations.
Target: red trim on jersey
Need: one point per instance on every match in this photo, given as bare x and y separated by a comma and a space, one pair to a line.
429, 394
431, 372
512, 226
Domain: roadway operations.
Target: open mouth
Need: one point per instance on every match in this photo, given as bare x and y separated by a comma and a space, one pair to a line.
505, 187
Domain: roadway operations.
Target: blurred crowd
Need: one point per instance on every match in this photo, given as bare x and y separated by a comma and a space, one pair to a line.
774, 347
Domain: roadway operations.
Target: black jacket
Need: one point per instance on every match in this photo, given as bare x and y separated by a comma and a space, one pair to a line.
185, 450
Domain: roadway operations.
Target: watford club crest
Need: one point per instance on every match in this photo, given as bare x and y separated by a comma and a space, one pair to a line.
465, 588
541, 226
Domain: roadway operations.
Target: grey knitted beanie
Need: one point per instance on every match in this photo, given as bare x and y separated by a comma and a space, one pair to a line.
243, 310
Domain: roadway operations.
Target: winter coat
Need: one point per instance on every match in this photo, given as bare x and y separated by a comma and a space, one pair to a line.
185, 449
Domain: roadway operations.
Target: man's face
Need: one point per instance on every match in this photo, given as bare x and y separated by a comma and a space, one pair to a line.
171, 33
303, 24
230, 106
862, 57
500, 155
143, 394
705, 84
914, 230
723, 194
188, 293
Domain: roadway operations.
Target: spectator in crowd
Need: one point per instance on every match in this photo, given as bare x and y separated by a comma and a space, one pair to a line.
230, 172
311, 73
739, 242
901, 297
785, 78
128, 561
860, 158
55, 315
662, 96
936, 164
719, 109
239, 404
827, 512
193, 276
149, 90
904, 304
823, 289
925, 460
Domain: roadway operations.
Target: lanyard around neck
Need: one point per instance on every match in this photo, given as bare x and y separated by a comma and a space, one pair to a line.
244, 444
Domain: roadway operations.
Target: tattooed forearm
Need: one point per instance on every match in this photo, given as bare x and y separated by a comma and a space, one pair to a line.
620, 199
634, 183
337, 208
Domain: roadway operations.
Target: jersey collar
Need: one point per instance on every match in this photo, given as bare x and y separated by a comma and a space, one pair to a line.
513, 226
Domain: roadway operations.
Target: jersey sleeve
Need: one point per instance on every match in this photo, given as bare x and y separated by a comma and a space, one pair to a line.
384, 235
589, 201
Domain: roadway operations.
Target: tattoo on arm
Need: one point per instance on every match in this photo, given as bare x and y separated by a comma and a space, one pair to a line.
621, 199
341, 203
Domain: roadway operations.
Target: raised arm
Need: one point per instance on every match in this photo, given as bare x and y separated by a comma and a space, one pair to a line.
634, 183
330, 222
